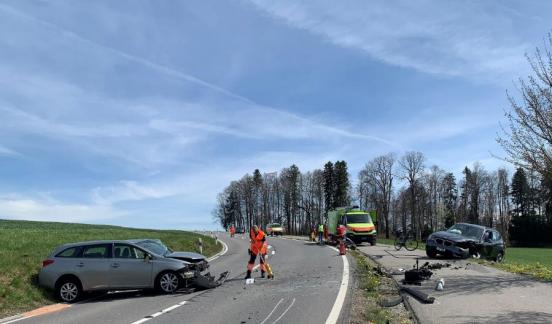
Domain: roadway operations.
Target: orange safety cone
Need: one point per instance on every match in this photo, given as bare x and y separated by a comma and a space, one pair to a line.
342, 248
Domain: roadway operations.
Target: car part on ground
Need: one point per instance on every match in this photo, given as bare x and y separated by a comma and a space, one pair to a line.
207, 281
421, 296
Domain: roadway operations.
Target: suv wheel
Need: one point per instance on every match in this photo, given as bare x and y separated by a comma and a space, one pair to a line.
69, 290
431, 253
168, 282
500, 257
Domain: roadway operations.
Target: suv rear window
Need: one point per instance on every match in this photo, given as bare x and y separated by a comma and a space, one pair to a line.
97, 251
72, 252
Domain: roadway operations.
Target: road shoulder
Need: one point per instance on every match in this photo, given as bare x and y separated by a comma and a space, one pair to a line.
472, 292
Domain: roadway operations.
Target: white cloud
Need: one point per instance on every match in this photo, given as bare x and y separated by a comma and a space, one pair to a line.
449, 38
8, 152
32, 209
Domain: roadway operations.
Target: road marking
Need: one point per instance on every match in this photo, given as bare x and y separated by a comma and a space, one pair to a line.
270, 314
284, 313
164, 311
224, 250
340, 299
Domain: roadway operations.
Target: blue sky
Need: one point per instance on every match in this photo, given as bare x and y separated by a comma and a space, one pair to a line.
139, 112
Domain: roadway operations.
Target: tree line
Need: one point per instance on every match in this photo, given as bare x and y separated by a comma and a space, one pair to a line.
296, 200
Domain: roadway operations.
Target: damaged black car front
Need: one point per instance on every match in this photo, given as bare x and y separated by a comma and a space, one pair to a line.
460, 241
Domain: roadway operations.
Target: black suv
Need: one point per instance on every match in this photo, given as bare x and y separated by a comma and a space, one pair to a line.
463, 240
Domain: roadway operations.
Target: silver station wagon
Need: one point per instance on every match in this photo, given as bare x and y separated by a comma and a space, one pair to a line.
72, 269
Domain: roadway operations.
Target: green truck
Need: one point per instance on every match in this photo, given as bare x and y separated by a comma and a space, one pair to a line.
359, 224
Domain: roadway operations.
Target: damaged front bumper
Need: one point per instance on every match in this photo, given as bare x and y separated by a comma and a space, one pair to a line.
206, 281
449, 248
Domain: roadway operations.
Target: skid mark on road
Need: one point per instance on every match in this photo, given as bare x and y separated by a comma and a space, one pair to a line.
285, 312
270, 314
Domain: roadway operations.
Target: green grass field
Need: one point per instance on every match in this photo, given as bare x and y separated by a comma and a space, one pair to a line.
24, 244
536, 262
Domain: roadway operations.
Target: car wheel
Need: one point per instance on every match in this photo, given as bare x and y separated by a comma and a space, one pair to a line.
431, 253
69, 290
500, 257
168, 282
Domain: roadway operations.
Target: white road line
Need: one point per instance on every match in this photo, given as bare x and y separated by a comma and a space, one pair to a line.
14, 320
164, 311
224, 250
270, 314
141, 321
168, 309
284, 313
340, 299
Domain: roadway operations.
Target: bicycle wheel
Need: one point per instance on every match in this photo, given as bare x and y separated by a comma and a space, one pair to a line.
398, 243
411, 244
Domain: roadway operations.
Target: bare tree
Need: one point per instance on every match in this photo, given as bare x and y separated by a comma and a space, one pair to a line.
412, 164
377, 178
528, 137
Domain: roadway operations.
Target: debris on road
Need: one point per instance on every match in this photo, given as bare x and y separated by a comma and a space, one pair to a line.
208, 281
422, 297
417, 275
440, 285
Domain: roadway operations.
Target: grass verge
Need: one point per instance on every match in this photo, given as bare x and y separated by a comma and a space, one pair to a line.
535, 262
373, 288
24, 244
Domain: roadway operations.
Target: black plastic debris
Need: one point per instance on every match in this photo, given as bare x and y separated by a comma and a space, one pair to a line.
422, 297
417, 275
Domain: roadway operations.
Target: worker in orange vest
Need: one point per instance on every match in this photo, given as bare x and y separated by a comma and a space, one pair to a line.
258, 239
232, 231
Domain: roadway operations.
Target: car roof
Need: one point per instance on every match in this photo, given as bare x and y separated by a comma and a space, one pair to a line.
480, 226
133, 241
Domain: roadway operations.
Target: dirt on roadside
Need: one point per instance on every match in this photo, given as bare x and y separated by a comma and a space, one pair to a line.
372, 291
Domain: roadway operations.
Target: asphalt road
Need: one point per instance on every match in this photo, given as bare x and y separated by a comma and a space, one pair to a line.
307, 280
473, 293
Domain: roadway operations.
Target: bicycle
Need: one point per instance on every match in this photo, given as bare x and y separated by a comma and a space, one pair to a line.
407, 240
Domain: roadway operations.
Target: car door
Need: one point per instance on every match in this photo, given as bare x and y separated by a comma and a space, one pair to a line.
488, 244
498, 243
129, 267
93, 266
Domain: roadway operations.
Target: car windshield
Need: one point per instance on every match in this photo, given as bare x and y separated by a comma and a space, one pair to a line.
466, 230
275, 225
358, 218
156, 247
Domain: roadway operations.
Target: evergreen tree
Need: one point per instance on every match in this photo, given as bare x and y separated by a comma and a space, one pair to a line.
341, 185
450, 195
520, 193
329, 186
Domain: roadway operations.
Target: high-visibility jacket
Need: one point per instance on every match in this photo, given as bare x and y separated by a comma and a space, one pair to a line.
264, 249
320, 228
257, 241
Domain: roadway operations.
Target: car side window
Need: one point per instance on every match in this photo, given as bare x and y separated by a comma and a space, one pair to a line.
99, 251
488, 236
496, 236
124, 251
72, 252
